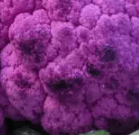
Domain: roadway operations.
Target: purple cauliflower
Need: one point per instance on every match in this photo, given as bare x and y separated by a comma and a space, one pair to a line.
70, 66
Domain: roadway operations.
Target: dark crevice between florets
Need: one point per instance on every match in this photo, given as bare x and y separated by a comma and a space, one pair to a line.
63, 133
64, 6
112, 83
37, 114
94, 72
84, 36
11, 4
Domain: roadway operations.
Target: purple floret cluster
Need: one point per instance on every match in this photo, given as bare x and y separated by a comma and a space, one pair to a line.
70, 65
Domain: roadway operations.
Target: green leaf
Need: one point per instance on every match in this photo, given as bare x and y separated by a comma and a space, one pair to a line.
135, 133
101, 132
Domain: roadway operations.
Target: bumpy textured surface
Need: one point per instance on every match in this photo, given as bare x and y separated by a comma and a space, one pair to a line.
70, 65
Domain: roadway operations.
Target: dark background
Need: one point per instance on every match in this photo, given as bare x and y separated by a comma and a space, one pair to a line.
13, 126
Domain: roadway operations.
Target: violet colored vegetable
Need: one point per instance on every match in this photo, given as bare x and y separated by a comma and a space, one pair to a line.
70, 66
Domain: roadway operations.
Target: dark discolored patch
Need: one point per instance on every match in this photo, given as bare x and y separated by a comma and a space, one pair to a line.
109, 54
39, 53
37, 58
22, 83
59, 85
112, 83
133, 94
27, 46
92, 70
65, 84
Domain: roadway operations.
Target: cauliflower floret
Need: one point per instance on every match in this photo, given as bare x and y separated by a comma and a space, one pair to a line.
12, 8
24, 91
64, 119
64, 37
90, 15
70, 65
83, 34
58, 9
110, 6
